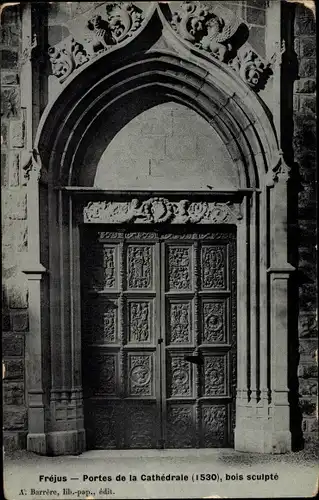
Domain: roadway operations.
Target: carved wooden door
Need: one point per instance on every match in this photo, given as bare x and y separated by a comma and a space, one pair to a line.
199, 326
158, 320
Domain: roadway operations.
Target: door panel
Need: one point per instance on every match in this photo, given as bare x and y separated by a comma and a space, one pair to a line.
159, 338
198, 360
120, 341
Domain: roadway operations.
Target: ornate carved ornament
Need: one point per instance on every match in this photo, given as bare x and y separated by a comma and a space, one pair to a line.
111, 24
31, 167
219, 32
213, 29
279, 170
67, 56
161, 210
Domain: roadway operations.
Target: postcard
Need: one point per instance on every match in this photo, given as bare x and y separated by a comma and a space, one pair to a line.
159, 291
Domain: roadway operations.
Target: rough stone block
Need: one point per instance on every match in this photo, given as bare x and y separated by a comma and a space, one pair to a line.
311, 440
305, 86
5, 322
308, 406
257, 39
296, 102
310, 425
4, 134
14, 235
308, 387
307, 370
256, 16
14, 369
4, 170
307, 68
17, 134
9, 35
305, 133
307, 167
308, 47
307, 197
13, 393
308, 302
14, 441
14, 418
304, 21
22, 238
15, 205
10, 102
308, 348
11, 15
19, 321
18, 295
307, 104
14, 169
12, 345
9, 59
11, 78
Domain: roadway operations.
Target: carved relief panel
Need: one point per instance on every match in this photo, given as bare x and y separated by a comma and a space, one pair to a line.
179, 262
140, 375
102, 270
179, 322
139, 267
139, 321
215, 322
213, 264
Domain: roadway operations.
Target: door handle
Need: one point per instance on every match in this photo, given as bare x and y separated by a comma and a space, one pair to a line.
197, 360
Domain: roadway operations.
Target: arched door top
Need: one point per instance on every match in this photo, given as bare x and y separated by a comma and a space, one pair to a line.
157, 59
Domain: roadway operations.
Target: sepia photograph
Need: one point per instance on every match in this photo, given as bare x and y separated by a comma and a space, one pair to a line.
159, 249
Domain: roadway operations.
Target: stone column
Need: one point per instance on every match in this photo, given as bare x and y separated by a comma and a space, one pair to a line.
35, 348
278, 438
67, 434
36, 339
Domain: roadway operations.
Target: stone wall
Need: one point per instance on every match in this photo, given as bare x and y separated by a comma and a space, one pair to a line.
14, 232
304, 143
168, 146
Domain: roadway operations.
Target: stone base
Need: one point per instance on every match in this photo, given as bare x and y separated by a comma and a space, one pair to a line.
261, 441
66, 442
57, 443
37, 443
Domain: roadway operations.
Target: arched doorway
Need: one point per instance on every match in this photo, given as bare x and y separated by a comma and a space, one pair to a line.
250, 216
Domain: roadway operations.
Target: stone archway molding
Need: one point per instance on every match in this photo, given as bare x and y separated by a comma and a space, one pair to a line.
167, 64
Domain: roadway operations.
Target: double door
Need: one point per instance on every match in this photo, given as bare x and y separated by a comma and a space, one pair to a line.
158, 337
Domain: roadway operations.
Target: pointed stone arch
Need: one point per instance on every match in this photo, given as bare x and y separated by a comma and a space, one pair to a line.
67, 126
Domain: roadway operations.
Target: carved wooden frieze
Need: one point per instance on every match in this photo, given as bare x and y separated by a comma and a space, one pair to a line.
161, 210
